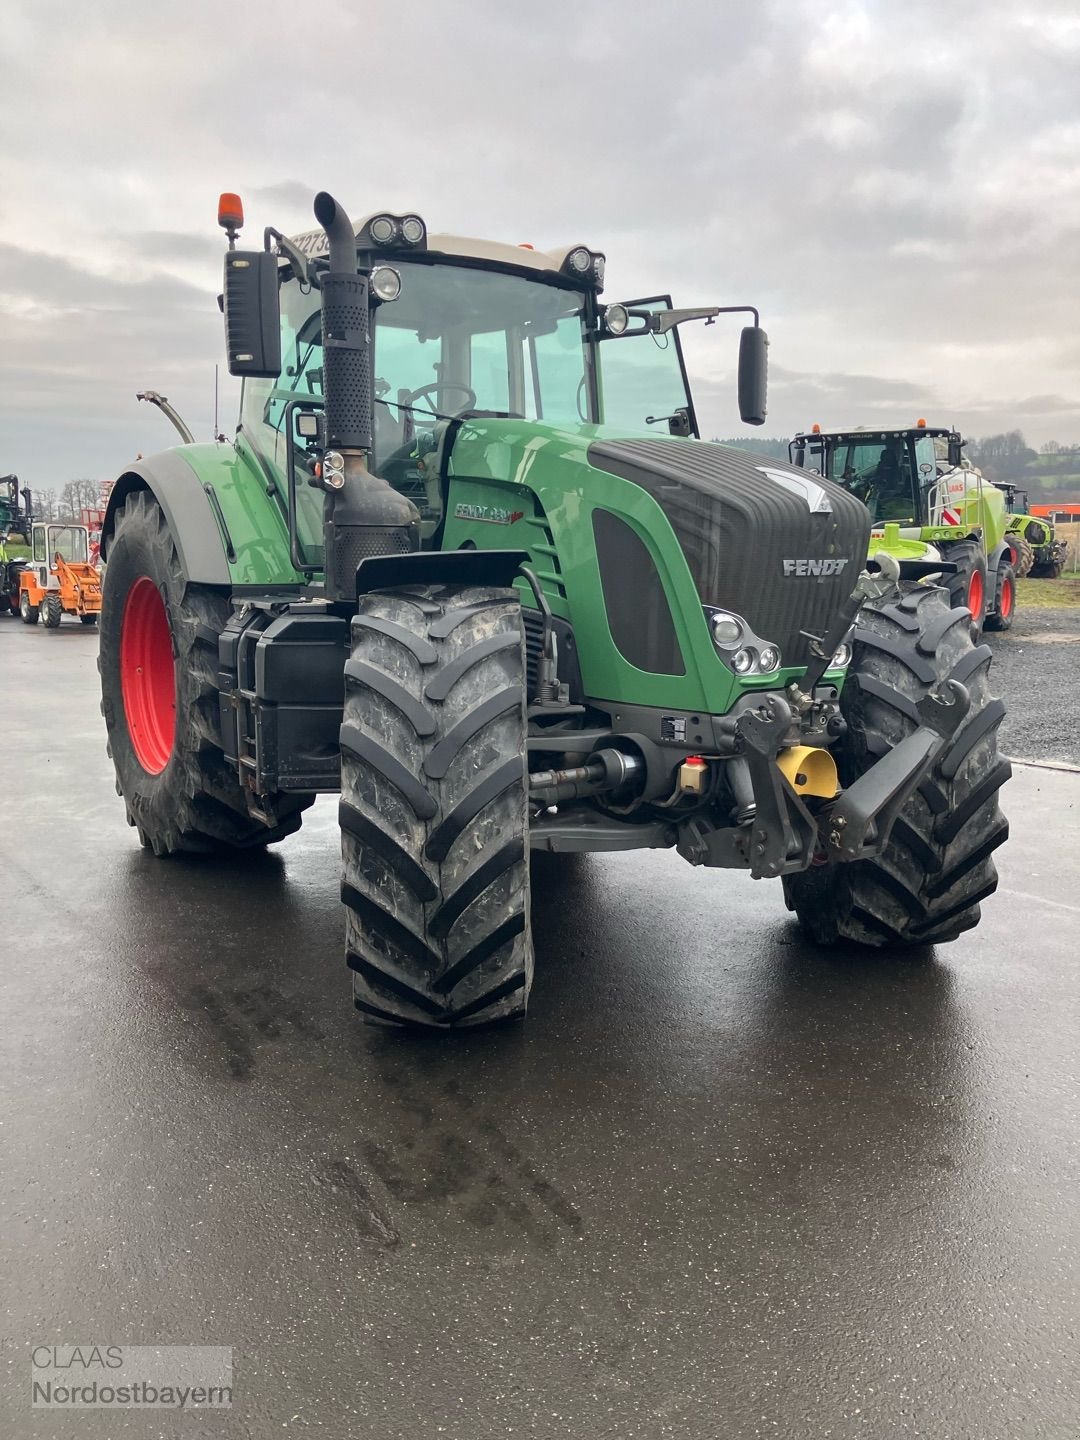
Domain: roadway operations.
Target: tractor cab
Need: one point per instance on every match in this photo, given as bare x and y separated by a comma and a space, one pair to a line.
460, 330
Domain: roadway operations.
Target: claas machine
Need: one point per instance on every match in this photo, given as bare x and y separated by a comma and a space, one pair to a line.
468, 565
928, 503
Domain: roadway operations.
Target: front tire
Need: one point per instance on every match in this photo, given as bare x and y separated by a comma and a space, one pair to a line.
967, 587
434, 819
158, 662
925, 888
52, 612
1004, 598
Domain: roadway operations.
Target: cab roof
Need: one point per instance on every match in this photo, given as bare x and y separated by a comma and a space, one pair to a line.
869, 432
314, 244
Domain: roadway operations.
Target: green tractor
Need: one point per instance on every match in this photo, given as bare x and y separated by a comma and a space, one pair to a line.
15, 525
928, 504
1039, 551
449, 570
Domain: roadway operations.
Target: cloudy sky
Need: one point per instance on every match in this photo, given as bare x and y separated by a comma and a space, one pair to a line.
895, 183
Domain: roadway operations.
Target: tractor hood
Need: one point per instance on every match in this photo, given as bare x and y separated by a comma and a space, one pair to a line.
780, 548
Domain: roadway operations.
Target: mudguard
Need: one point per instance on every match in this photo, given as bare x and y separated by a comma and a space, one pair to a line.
186, 506
228, 527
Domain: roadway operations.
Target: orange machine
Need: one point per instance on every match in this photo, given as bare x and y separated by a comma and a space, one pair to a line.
58, 579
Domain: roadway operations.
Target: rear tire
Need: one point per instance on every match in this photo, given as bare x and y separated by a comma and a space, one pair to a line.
182, 795
88, 619
1004, 598
1023, 553
434, 818
926, 887
28, 613
967, 588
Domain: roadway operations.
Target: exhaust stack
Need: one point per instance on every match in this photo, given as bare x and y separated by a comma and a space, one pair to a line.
363, 515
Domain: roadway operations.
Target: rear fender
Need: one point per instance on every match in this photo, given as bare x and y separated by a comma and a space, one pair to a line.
225, 517
188, 510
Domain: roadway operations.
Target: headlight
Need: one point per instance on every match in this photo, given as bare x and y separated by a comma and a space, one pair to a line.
727, 629
386, 283
742, 662
842, 658
769, 659
616, 318
412, 229
383, 229
580, 260
598, 271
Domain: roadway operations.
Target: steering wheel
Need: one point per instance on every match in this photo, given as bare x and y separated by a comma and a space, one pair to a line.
427, 391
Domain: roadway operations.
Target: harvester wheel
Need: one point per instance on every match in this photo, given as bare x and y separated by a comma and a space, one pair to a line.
52, 612
434, 819
1004, 598
926, 886
27, 613
967, 588
158, 661
1023, 553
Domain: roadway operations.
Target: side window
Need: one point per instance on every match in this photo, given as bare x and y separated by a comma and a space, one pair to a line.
641, 375
39, 542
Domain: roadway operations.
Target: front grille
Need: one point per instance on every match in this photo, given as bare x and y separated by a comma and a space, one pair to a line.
737, 524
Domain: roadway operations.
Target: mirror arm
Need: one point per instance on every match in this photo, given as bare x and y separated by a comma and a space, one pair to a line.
299, 262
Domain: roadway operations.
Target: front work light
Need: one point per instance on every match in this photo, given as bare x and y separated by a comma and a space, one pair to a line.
382, 229
412, 229
616, 319
386, 283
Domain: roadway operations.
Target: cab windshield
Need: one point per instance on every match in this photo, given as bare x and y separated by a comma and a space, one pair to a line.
69, 542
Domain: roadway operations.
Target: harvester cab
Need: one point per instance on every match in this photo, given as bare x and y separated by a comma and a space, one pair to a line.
930, 508
59, 579
469, 565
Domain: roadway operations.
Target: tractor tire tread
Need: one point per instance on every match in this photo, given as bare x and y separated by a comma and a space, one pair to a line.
433, 808
927, 885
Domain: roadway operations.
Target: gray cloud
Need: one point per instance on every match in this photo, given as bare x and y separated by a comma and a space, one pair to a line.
895, 184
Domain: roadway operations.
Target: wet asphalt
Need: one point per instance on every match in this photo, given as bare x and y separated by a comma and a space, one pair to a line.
719, 1185
1037, 669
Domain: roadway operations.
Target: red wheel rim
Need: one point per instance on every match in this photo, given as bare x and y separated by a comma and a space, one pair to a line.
1007, 598
147, 676
975, 594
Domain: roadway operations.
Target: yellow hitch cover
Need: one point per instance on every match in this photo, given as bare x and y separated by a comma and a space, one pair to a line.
809, 771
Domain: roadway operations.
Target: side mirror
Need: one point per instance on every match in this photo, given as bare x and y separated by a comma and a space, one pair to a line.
753, 374
955, 447
252, 308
